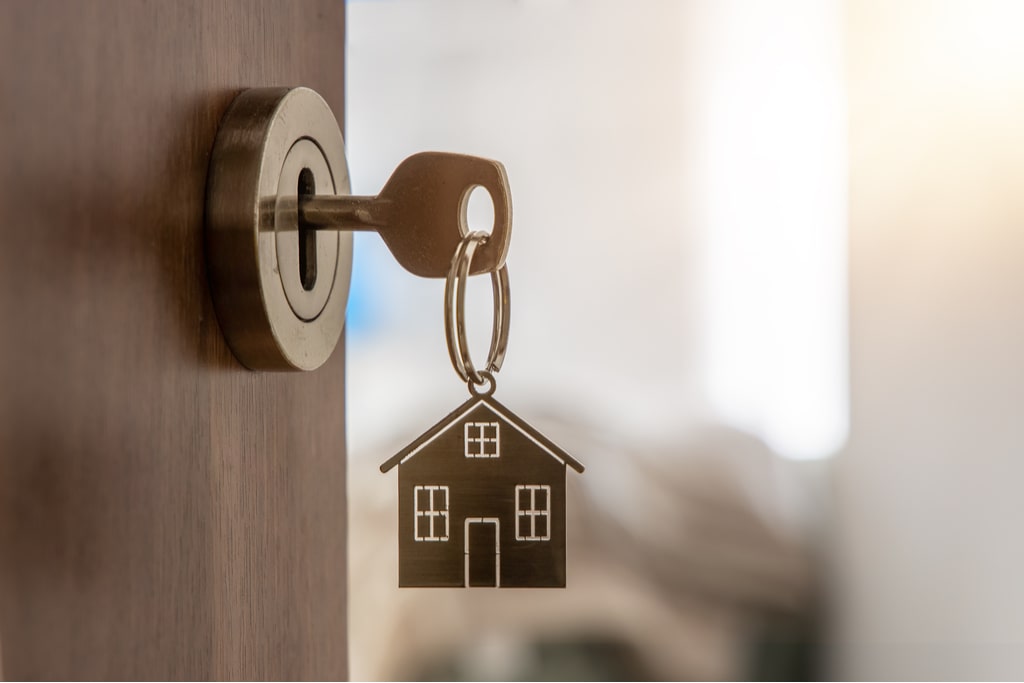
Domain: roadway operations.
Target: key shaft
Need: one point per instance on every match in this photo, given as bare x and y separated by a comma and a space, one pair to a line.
330, 212
421, 212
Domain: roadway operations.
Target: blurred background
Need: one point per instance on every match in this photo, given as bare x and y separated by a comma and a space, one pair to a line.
767, 274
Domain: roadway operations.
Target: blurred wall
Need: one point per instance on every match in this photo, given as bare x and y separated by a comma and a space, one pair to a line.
585, 104
678, 178
928, 539
678, 181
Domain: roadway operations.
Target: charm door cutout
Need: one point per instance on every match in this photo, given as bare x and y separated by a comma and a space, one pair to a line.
483, 551
481, 502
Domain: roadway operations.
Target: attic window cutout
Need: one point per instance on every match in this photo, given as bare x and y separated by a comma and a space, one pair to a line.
533, 512
482, 440
431, 504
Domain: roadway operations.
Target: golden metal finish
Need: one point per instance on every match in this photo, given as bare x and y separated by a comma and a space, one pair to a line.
279, 219
279, 291
322, 248
455, 313
421, 212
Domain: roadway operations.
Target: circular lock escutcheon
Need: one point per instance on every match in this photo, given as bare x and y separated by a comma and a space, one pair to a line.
279, 290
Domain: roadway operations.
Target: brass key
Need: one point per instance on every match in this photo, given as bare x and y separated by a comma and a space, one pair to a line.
277, 210
421, 212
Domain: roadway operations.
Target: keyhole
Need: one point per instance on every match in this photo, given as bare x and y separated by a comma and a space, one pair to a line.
307, 235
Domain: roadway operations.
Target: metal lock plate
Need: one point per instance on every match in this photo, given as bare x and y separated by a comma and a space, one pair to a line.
279, 291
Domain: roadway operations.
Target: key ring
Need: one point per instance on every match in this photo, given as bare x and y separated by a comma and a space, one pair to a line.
454, 314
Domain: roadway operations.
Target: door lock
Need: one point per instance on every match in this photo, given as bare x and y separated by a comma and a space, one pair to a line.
279, 217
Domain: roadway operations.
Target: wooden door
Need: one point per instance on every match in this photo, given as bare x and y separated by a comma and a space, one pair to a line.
164, 513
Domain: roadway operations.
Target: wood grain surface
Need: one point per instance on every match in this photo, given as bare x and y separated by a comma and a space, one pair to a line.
164, 513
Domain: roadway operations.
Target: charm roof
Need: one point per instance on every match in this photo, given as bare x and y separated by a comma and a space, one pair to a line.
498, 409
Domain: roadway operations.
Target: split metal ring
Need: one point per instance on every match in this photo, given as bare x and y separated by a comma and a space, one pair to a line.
455, 318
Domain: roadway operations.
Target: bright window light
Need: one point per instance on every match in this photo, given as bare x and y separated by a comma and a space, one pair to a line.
775, 165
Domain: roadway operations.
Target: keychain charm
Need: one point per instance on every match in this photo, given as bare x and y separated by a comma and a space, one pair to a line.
481, 494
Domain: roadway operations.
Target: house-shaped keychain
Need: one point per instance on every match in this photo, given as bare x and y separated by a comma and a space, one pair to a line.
481, 502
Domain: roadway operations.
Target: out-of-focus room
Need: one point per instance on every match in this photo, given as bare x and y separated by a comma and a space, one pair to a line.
767, 277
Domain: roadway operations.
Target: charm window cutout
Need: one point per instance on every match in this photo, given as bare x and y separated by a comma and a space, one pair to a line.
431, 505
482, 440
533, 512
